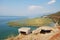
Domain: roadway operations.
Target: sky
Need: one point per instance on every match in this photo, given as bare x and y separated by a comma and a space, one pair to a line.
30, 8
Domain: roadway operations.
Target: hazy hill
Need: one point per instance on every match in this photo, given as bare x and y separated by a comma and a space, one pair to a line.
55, 17
55, 14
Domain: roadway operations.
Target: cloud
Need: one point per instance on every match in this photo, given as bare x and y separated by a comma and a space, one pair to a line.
33, 7
37, 9
52, 1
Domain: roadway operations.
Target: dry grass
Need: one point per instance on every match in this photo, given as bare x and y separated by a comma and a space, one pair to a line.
10, 38
55, 37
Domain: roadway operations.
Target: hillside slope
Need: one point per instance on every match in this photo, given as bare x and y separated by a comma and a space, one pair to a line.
55, 17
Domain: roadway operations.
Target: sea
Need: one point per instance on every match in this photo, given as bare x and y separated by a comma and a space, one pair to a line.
7, 31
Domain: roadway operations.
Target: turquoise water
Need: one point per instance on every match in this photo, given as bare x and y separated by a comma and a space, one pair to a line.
5, 30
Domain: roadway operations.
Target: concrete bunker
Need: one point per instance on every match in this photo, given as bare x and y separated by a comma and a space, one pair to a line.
24, 30
45, 31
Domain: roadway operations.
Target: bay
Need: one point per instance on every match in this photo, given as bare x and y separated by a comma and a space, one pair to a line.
5, 30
